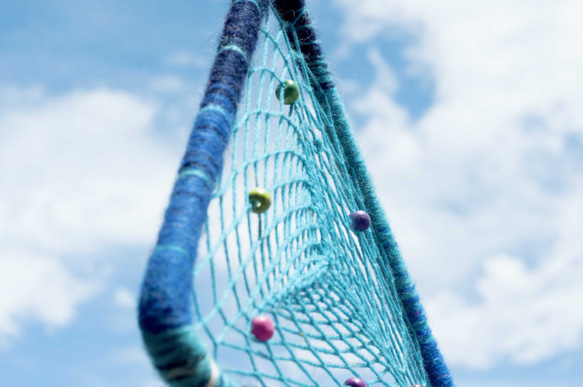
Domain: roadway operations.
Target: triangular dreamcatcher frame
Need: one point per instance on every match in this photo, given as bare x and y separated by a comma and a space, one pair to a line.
165, 309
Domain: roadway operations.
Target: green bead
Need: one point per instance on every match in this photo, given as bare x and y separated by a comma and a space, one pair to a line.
260, 200
291, 92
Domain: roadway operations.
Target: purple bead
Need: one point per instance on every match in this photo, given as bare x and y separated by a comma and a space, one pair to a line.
355, 382
360, 220
262, 328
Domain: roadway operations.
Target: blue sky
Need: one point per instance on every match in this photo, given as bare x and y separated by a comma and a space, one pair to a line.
468, 115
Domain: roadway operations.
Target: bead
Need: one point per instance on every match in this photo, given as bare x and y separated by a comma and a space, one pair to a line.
262, 328
291, 92
355, 382
260, 200
360, 220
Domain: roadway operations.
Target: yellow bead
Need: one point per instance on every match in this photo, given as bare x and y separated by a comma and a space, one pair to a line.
260, 200
291, 92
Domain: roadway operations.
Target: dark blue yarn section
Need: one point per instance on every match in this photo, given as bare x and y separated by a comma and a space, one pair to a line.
293, 12
166, 299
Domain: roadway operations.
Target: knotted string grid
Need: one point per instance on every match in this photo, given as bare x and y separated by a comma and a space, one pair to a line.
323, 284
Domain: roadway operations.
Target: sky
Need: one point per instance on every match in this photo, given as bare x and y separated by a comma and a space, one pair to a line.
467, 113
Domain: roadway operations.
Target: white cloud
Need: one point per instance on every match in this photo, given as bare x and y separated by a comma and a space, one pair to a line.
186, 59
38, 287
485, 182
525, 315
124, 299
80, 173
82, 170
167, 84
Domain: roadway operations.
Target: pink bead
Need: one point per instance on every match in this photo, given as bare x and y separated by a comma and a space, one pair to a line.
262, 328
355, 382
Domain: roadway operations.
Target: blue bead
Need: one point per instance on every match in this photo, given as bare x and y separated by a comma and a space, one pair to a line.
360, 220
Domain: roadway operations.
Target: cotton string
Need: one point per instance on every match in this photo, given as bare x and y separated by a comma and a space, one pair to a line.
296, 15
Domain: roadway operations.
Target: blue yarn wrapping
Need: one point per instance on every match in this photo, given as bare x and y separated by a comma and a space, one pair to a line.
294, 13
165, 307
181, 359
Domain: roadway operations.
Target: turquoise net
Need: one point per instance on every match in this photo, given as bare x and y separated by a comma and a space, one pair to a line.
327, 288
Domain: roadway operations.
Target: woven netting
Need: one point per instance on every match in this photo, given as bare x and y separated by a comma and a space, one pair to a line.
326, 287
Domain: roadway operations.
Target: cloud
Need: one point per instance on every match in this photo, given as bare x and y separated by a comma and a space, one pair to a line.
124, 299
483, 188
81, 173
187, 59
524, 315
167, 84
38, 287
81, 170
